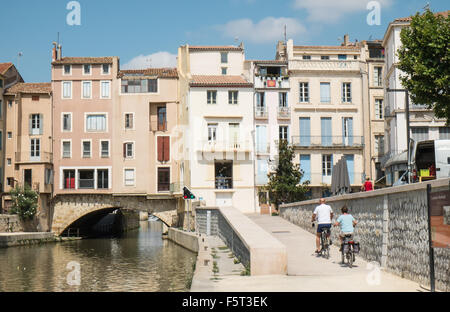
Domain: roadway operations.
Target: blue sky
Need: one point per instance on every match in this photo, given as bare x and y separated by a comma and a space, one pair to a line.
148, 33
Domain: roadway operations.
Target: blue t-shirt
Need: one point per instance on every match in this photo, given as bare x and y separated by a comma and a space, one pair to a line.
346, 223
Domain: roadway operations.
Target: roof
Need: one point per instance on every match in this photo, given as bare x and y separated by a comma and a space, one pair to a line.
343, 48
409, 18
277, 62
220, 81
30, 88
158, 72
4, 67
84, 60
215, 48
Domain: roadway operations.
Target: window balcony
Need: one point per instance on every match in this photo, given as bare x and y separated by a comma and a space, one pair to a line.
271, 82
325, 65
224, 183
261, 113
284, 112
224, 146
328, 141
40, 157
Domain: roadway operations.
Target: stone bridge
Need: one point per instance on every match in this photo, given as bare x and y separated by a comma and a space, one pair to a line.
74, 209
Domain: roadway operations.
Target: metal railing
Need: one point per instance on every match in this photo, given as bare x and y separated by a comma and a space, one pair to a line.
227, 145
261, 112
284, 112
86, 183
224, 183
26, 157
328, 141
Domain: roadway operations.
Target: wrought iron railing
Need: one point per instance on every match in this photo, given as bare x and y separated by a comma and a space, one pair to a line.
328, 141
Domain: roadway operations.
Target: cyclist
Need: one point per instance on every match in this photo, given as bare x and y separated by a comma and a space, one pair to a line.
324, 215
346, 222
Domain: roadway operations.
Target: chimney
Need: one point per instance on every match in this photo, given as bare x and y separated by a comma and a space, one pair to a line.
54, 52
346, 40
59, 52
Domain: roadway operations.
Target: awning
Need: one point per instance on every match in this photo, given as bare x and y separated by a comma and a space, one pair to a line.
401, 158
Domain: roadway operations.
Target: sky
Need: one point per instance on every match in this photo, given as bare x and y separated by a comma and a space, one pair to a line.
147, 33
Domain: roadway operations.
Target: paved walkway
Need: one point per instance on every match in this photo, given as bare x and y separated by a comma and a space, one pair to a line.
306, 272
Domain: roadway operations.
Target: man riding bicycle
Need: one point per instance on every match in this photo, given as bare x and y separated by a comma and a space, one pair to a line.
347, 223
324, 215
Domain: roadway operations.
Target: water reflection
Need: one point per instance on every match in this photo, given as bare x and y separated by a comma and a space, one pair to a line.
138, 261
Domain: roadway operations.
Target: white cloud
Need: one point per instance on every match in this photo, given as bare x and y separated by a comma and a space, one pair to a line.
158, 59
330, 11
267, 30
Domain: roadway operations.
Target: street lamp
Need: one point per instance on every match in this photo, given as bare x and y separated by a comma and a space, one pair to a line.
407, 128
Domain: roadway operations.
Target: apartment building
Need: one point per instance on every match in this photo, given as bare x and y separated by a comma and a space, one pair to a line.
272, 118
374, 111
423, 124
28, 143
146, 133
83, 114
327, 110
217, 113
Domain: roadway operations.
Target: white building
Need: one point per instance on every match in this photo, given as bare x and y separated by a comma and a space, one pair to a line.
422, 122
217, 112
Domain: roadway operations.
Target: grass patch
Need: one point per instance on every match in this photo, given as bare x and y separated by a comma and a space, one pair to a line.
223, 248
215, 267
237, 261
246, 272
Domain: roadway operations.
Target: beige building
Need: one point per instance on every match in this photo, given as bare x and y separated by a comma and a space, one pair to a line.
28, 145
327, 110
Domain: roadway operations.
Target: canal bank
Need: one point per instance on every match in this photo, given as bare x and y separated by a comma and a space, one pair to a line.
25, 239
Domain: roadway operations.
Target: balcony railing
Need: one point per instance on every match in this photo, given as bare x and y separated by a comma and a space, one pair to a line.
284, 112
268, 82
86, 183
328, 141
261, 112
318, 178
26, 157
324, 65
224, 146
224, 183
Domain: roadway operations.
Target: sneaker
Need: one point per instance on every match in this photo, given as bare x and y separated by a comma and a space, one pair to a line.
331, 242
340, 249
317, 251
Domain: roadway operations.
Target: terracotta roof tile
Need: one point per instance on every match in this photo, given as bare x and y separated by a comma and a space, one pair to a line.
409, 18
30, 88
220, 81
84, 60
215, 48
158, 72
4, 67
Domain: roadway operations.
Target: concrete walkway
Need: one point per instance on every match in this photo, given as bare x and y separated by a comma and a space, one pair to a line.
307, 272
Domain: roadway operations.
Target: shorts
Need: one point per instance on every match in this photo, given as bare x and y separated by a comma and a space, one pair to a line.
320, 227
342, 234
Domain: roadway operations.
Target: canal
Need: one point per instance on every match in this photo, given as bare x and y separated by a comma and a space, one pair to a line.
138, 261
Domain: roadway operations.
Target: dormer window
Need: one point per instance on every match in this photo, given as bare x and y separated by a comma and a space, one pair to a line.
87, 69
224, 57
306, 57
67, 69
105, 69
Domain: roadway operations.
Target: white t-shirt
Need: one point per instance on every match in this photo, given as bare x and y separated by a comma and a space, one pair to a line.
323, 214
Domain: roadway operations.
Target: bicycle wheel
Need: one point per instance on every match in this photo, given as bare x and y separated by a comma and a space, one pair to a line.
350, 259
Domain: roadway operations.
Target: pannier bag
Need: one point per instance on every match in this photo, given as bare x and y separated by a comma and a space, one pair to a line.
356, 247
345, 248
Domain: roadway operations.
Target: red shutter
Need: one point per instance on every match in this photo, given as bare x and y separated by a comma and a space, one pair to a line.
124, 150
166, 148
160, 149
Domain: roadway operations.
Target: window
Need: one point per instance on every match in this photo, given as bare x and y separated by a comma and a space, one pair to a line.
304, 92
128, 150
163, 179
284, 133
10, 103
35, 149
86, 179
35, 98
342, 57
444, 133
325, 96
379, 145
48, 178
419, 133
105, 89
67, 122
163, 148
347, 131
234, 134
212, 132
86, 149
162, 118
67, 69
35, 124
66, 149
211, 97
233, 97
325, 57
67, 89
139, 86
1, 83
102, 179
104, 149
105, 69
327, 163
305, 131
224, 70
87, 89
224, 57
261, 110
129, 121
283, 100
326, 131
378, 108
306, 57
1, 108
346, 92
129, 177
224, 174
305, 166
87, 69
69, 179
95, 123
9, 161
9, 135
377, 76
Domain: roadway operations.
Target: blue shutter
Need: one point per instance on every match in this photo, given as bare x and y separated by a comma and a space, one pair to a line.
326, 131
305, 131
351, 167
261, 139
350, 131
305, 165
262, 171
324, 92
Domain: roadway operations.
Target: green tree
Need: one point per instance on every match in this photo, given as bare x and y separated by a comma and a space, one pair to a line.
284, 184
24, 202
425, 59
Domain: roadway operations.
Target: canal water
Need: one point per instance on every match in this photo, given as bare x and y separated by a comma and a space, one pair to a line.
138, 261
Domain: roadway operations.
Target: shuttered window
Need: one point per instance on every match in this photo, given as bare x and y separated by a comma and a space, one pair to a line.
163, 179
163, 148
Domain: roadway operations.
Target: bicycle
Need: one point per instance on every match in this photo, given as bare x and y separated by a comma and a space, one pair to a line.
348, 250
325, 243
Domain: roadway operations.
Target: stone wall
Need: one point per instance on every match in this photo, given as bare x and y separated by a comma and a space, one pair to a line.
13, 224
392, 229
185, 239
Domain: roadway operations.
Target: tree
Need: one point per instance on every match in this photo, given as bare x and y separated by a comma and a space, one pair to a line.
425, 59
24, 202
284, 184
